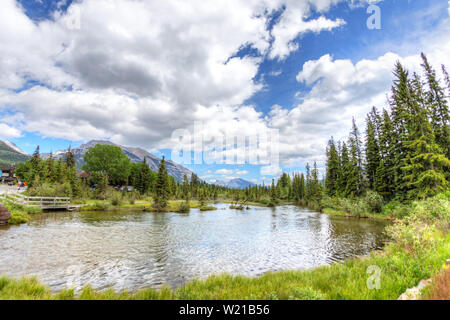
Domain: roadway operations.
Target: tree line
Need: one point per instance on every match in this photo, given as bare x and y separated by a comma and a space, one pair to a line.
405, 154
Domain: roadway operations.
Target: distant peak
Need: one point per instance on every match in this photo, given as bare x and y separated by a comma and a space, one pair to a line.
13, 146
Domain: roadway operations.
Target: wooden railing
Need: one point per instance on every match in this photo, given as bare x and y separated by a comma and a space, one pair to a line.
38, 202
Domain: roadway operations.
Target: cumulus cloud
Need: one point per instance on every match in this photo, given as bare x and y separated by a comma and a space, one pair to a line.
7, 132
135, 71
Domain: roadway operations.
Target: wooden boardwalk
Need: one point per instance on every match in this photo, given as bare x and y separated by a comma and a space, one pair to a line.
45, 203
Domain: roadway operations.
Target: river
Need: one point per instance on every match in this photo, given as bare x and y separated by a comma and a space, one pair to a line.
134, 250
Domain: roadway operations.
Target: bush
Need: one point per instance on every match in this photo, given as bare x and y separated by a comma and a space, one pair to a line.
396, 209
414, 237
374, 201
184, 207
208, 208
416, 233
359, 208
18, 217
116, 199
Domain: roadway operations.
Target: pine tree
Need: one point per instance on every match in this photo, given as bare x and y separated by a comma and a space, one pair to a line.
102, 185
50, 163
185, 189
332, 175
69, 159
401, 107
273, 192
162, 187
446, 77
372, 151
344, 171
145, 177
425, 164
384, 177
438, 108
355, 178
316, 189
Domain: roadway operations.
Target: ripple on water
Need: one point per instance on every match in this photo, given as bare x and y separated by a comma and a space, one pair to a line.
138, 250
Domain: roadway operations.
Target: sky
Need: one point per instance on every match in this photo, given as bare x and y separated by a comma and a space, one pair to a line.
182, 75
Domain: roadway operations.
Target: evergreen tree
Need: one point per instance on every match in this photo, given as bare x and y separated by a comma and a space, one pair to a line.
438, 108
401, 107
372, 152
425, 164
446, 77
316, 189
355, 178
273, 192
384, 177
332, 175
102, 185
345, 168
185, 187
161, 187
69, 159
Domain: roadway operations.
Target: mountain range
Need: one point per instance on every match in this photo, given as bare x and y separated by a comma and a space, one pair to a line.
237, 183
134, 154
11, 154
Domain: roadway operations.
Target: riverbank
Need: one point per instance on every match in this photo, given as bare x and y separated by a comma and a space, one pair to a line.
419, 248
348, 281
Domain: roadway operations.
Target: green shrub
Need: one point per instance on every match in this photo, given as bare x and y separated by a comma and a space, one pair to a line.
116, 199
184, 207
396, 209
360, 208
207, 208
18, 217
374, 201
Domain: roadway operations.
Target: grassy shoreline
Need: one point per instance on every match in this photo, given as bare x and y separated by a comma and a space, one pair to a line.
419, 249
400, 270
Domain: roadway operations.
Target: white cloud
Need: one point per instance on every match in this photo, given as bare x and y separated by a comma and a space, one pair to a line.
224, 171
231, 172
291, 26
271, 170
141, 69
7, 132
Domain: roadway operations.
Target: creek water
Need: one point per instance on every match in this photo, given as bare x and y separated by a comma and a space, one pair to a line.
134, 250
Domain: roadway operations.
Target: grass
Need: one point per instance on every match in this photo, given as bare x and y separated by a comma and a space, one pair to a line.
367, 215
19, 214
207, 208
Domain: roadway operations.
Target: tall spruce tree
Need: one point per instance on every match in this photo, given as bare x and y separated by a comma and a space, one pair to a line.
332, 175
447, 78
384, 177
401, 107
345, 167
161, 187
426, 164
355, 179
438, 107
372, 152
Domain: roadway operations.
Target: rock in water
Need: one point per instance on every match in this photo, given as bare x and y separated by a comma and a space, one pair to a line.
4, 215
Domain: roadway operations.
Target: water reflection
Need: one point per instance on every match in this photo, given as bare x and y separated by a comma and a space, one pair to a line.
137, 250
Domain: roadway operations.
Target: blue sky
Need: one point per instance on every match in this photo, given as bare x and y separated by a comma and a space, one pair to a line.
405, 26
